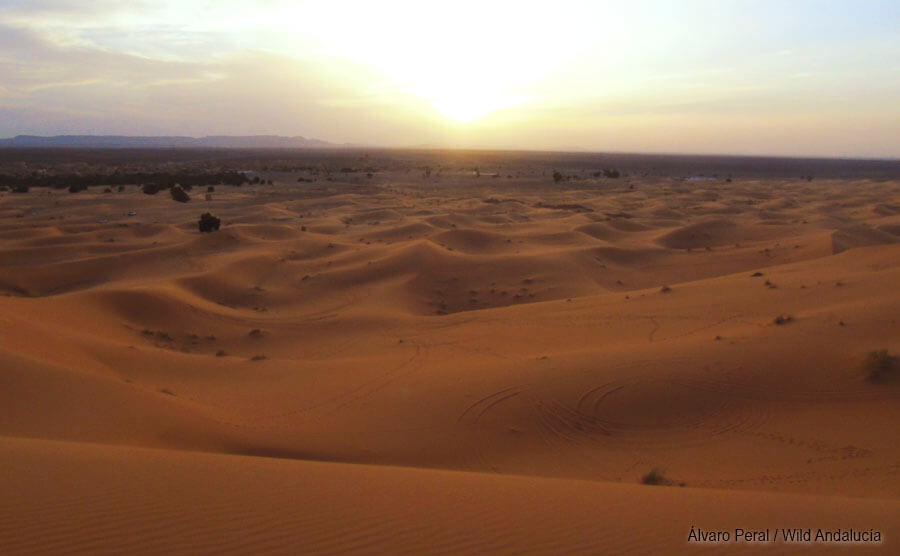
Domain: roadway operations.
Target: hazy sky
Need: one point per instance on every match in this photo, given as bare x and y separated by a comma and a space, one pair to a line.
786, 77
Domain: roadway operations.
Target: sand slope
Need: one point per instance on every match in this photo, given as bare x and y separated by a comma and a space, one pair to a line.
137, 501
464, 368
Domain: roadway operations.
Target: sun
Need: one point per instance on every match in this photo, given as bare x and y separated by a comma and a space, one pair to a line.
461, 110
469, 106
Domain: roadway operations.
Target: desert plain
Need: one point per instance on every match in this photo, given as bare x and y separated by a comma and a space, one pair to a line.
439, 352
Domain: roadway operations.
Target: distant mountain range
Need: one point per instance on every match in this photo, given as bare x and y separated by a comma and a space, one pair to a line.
128, 142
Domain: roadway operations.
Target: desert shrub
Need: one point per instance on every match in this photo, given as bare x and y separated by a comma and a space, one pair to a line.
121, 188
179, 194
20, 189
611, 173
783, 319
665, 289
152, 188
208, 223
879, 364
107, 190
557, 177
210, 189
654, 477
76, 187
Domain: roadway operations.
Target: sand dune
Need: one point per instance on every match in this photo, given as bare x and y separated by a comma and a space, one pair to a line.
152, 504
448, 367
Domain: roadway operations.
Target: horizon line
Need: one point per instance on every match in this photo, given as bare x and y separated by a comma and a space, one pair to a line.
429, 147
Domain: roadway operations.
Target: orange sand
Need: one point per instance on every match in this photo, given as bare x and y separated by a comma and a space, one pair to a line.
445, 367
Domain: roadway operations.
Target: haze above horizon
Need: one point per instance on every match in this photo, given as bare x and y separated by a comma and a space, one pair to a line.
800, 79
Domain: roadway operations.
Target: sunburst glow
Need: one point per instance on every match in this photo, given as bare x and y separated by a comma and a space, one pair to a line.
465, 62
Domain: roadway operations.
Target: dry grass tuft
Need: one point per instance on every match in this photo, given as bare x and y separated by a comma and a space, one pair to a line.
879, 365
654, 477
